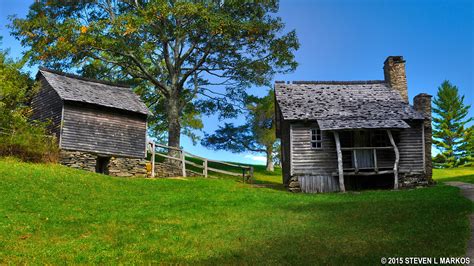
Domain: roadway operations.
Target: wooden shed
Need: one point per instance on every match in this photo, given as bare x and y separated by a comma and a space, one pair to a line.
338, 135
100, 126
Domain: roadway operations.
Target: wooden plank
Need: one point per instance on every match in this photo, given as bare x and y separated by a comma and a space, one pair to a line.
183, 163
423, 148
354, 154
229, 164
365, 148
195, 164
167, 156
205, 167
376, 168
365, 173
223, 171
153, 152
291, 150
397, 159
339, 162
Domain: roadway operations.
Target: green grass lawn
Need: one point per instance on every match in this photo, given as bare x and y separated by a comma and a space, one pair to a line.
52, 214
463, 174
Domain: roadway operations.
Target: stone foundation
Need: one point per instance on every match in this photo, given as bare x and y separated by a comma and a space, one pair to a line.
117, 166
127, 167
414, 180
294, 185
171, 170
78, 160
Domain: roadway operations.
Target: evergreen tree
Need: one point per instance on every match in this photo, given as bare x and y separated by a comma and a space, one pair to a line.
450, 134
257, 135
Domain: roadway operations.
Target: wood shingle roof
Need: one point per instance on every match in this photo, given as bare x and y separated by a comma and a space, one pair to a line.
344, 105
78, 89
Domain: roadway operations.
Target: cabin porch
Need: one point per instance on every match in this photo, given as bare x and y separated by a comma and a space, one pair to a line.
366, 153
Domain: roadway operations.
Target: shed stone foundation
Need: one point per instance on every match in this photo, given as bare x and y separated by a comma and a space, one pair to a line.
117, 166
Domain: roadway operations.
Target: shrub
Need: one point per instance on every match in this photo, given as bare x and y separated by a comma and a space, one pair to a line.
20, 137
26, 140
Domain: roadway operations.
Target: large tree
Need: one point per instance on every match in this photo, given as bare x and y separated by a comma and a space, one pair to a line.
257, 135
450, 133
177, 52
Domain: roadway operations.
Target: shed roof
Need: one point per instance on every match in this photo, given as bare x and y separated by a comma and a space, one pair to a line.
344, 105
78, 89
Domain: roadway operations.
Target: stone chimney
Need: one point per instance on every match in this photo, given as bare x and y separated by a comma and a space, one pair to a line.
422, 103
395, 76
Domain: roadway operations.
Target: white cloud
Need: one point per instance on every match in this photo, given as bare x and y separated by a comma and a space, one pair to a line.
256, 158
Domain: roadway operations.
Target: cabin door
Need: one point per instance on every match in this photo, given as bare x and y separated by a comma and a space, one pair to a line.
365, 158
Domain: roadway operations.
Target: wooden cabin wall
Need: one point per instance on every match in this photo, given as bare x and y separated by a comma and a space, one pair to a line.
47, 106
285, 150
314, 167
103, 131
307, 160
410, 146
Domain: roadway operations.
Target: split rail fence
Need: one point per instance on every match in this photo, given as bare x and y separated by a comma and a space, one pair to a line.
181, 158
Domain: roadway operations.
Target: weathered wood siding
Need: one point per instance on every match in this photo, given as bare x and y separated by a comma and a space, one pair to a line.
314, 167
103, 131
318, 183
308, 160
410, 145
47, 106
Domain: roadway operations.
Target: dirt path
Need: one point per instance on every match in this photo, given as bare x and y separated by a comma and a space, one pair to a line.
467, 190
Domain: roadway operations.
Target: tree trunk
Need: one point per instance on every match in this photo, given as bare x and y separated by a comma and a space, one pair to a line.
174, 129
174, 125
269, 153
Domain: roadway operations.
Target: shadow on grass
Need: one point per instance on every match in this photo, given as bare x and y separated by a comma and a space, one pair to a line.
357, 229
463, 178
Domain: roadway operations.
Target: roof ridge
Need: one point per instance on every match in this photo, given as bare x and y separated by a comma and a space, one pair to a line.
69, 75
335, 82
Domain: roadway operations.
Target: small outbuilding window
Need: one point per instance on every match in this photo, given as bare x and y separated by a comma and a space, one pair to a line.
316, 139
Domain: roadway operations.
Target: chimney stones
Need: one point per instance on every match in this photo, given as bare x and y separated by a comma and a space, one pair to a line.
395, 75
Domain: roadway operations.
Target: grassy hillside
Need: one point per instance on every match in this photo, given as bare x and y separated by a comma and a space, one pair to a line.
52, 214
463, 174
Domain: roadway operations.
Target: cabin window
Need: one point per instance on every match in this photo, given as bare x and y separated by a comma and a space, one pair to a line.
316, 139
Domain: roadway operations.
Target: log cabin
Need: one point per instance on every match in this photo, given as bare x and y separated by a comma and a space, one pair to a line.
350, 135
100, 126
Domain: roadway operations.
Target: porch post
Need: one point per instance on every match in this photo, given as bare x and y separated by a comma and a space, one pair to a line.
339, 162
397, 159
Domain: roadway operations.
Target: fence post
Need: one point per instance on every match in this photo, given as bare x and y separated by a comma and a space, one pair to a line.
153, 159
183, 162
251, 174
205, 167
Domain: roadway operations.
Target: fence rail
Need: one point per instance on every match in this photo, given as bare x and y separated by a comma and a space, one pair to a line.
180, 155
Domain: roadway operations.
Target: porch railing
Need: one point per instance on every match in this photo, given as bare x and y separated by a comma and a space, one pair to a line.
359, 159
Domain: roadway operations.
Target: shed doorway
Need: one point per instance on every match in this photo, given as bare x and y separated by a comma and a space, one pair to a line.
102, 165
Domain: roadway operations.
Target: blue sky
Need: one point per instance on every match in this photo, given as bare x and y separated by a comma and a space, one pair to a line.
349, 40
